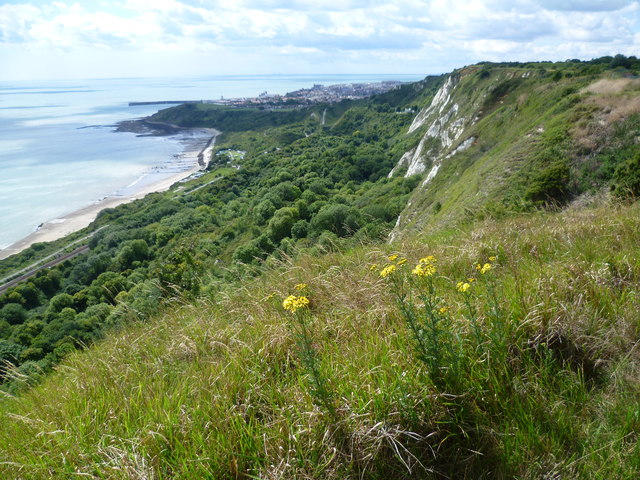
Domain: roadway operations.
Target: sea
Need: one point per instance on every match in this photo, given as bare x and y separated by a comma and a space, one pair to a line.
59, 149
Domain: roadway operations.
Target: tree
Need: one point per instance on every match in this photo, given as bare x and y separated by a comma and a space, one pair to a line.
25, 333
281, 223
264, 211
107, 286
59, 302
246, 253
338, 219
130, 252
620, 61
9, 351
30, 294
13, 313
48, 281
300, 229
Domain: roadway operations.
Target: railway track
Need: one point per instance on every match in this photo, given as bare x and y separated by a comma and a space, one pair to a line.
49, 264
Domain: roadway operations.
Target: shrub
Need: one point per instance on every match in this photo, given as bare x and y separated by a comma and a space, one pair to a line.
13, 313
9, 351
338, 219
246, 253
626, 178
300, 229
550, 185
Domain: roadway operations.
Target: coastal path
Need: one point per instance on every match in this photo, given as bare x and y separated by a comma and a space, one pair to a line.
202, 186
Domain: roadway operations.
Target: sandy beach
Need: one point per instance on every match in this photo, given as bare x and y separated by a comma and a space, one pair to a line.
199, 144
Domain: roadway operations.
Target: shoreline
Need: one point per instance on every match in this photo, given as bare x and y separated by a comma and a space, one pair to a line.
158, 179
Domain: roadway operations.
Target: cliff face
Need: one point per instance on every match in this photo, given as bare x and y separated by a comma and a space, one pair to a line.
445, 126
492, 140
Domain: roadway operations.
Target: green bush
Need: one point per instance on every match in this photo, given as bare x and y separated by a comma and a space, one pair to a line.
13, 313
338, 219
550, 185
626, 178
9, 351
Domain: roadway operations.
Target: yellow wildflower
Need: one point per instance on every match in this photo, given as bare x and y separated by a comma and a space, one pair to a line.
462, 286
429, 259
300, 286
471, 280
493, 259
373, 267
393, 257
293, 303
424, 270
478, 267
402, 261
485, 268
388, 270
443, 310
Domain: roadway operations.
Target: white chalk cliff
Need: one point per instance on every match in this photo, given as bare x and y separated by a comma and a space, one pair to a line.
445, 128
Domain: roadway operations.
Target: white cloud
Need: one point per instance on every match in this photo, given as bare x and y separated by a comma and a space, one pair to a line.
586, 5
382, 34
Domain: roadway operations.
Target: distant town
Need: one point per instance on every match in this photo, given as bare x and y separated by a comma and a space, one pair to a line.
299, 98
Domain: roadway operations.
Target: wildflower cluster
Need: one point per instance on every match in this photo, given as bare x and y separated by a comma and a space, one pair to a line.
486, 267
425, 267
293, 303
483, 268
388, 270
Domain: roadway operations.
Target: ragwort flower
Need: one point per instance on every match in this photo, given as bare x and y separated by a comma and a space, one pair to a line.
424, 270
485, 268
388, 270
293, 303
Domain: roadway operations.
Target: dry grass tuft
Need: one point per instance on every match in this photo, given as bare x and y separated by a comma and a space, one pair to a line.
612, 86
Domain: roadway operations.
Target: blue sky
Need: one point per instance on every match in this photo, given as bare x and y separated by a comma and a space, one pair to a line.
43, 39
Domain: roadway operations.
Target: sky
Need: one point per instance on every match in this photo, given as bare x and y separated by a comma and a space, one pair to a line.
44, 39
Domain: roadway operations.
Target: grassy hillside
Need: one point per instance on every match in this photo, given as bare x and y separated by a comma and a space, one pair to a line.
532, 372
517, 138
256, 322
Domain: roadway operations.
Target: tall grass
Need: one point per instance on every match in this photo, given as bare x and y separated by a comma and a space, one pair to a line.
532, 372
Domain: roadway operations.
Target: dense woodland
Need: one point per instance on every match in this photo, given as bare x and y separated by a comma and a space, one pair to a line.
279, 182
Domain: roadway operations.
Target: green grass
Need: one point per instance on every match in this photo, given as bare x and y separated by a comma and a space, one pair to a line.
538, 143
545, 383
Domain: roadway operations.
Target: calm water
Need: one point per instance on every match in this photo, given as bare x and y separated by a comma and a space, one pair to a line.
59, 151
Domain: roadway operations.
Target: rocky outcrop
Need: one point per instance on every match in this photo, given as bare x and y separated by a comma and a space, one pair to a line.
445, 127
444, 122
440, 100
